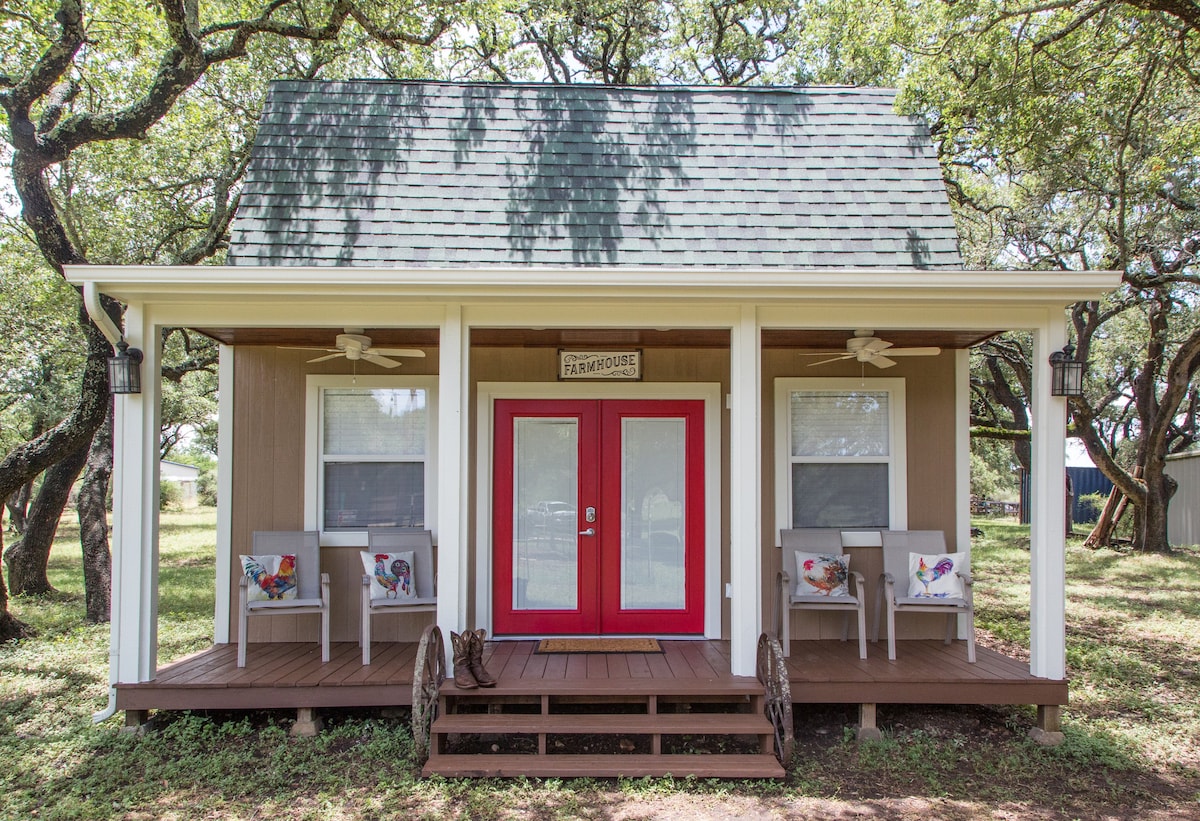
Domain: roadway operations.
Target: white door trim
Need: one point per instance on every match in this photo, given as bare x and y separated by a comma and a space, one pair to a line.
708, 392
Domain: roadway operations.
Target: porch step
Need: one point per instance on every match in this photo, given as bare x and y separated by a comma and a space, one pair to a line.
760, 765
641, 731
609, 724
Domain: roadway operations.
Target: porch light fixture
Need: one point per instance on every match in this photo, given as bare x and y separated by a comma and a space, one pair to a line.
125, 369
1066, 377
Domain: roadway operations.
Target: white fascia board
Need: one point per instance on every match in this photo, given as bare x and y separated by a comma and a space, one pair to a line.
162, 284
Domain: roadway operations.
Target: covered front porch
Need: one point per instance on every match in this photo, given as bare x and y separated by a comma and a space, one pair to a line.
728, 346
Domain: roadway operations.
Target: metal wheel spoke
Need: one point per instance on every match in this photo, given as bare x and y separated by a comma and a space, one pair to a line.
772, 674
429, 671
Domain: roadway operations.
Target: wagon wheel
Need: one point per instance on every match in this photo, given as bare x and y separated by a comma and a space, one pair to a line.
772, 674
429, 671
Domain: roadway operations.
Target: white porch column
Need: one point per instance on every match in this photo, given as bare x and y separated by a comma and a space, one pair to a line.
134, 631
453, 375
224, 565
1047, 542
745, 491
962, 458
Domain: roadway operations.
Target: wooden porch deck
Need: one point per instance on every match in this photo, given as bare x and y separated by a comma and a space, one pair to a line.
292, 676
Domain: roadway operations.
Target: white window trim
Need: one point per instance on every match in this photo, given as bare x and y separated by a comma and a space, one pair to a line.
313, 474
897, 433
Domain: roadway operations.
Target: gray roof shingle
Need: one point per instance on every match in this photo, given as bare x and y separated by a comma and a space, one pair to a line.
425, 174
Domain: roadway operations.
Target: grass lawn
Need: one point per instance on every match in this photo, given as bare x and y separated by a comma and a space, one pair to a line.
1132, 729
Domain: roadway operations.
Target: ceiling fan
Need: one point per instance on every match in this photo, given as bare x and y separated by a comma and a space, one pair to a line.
864, 346
354, 345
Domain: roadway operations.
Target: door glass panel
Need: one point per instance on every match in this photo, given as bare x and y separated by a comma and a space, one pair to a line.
545, 523
652, 514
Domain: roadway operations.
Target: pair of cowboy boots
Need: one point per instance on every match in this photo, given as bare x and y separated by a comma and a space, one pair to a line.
468, 660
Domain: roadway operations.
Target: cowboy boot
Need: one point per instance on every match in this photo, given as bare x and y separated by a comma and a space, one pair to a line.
462, 651
481, 675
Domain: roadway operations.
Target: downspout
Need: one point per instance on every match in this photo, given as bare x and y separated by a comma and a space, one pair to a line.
91, 300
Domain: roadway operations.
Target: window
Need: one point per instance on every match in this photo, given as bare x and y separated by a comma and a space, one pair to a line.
370, 442
841, 453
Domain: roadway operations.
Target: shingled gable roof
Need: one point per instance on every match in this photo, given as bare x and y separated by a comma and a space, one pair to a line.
422, 174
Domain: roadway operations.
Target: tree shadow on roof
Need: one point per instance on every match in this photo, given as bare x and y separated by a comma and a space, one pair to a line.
322, 153
594, 169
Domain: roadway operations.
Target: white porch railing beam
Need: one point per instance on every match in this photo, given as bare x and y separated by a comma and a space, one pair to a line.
745, 491
224, 565
1047, 540
453, 472
962, 459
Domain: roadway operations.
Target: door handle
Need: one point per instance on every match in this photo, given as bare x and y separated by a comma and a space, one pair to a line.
591, 531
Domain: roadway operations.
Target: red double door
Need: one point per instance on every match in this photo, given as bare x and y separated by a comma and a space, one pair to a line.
598, 523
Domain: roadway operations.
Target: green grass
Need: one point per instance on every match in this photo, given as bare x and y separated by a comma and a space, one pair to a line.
1132, 729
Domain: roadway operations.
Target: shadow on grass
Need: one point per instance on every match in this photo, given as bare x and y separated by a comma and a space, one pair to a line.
224, 760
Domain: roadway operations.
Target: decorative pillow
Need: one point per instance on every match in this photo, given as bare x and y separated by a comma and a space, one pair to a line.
392, 575
934, 576
821, 574
272, 577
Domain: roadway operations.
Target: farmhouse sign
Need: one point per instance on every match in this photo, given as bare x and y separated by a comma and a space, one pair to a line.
625, 365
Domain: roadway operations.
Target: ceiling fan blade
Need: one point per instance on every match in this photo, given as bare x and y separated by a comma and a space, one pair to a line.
914, 352
876, 345
829, 352
326, 357
413, 352
881, 362
841, 358
381, 360
306, 348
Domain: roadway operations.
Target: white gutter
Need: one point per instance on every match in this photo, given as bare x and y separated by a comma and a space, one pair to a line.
144, 283
91, 299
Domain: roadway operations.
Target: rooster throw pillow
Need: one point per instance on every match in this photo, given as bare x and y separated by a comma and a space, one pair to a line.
392, 574
935, 576
820, 574
272, 578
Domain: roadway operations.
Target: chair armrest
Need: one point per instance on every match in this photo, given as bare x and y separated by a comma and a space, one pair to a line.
325, 588
887, 586
968, 588
366, 580
859, 587
783, 585
244, 581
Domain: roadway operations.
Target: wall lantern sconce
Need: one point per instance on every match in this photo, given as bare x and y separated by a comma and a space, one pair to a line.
1066, 377
125, 369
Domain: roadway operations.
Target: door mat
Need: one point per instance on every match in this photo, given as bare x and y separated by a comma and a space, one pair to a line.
599, 646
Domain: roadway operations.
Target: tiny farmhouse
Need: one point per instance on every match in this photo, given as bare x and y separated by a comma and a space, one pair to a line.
664, 389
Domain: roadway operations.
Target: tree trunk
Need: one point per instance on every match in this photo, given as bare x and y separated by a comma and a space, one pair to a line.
93, 524
1151, 536
28, 558
70, 436
10, 626
18, 508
